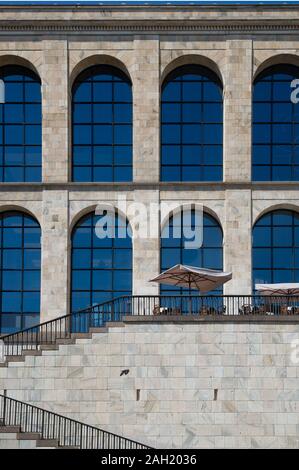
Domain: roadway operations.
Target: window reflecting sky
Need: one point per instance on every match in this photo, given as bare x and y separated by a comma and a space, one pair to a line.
102, 125
20, 261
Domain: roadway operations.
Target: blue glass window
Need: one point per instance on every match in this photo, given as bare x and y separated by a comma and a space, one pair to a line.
20, 126
275, 126
191, 125
20, 264
102, 125
101, 267
175, 251
276, 248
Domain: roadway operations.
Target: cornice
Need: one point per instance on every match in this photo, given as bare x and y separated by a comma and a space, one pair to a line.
209, 186
149, 26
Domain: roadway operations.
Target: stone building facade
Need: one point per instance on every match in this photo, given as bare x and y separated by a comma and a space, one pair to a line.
201, 383
147, 42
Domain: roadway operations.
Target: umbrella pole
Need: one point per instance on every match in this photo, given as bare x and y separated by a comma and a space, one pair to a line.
190, 301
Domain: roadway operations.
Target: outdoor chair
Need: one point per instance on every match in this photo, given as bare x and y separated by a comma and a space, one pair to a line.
246, 309
222, 310
260, 309
208, 311
284, 310
157, 310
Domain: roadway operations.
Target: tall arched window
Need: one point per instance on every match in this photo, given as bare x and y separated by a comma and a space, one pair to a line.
174, 250
275, 125
20, 125
20, 252
102, 125
191, 117
101, 267
276, 247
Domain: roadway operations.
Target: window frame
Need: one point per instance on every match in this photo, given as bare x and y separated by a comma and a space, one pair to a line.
22, 314
205, 76
108, 244
270, 145
25, 126
208, 221
272, 268
114, 168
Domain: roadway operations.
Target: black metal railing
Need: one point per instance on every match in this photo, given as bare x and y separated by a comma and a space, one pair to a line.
96, 316
66, 431
194, 305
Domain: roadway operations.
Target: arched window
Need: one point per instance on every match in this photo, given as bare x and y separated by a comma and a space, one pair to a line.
191, 117
102, 125
275, 125
174, 250
20, 125
276, 248
101, 267
20, 263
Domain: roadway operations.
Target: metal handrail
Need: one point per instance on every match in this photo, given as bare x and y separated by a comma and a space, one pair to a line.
66, 431
142, 305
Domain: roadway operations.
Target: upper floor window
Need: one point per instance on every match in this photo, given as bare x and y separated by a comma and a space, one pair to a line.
102, 125
275, 126
276, 248
191, 120
20, 264
20, 125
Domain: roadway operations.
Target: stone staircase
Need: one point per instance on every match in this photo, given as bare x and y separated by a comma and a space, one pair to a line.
24, 426
54, 346
11, 437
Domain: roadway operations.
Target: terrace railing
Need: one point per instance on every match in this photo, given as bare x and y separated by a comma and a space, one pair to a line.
67, 432
96, 316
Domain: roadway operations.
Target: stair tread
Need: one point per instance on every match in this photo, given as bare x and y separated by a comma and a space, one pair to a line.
47, 443
13, 429
33, 352
15, 358
100, 329
23, 436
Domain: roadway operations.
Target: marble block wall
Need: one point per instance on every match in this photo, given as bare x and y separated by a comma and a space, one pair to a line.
190, 385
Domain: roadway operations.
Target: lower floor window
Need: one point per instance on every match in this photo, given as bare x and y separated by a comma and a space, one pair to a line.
20, 264
101, 267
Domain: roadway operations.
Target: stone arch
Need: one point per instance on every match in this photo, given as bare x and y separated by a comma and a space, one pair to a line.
179, 207
192, 59
277, 59
21, 209
275, 207
91, 209
10, 59
97, 59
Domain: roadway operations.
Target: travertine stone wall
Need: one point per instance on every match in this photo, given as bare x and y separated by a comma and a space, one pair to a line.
237, 241
55, 99
146, 252
147, 55
54, 275
146, 109
189, 384
237, 111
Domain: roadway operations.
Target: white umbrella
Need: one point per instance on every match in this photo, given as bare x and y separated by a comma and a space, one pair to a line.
200, 279
191, 277
278, 289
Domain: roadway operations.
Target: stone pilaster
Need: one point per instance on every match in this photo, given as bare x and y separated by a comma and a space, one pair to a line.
54, 276
55, 111
146, 90
237, 111
146, 253
237, 241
